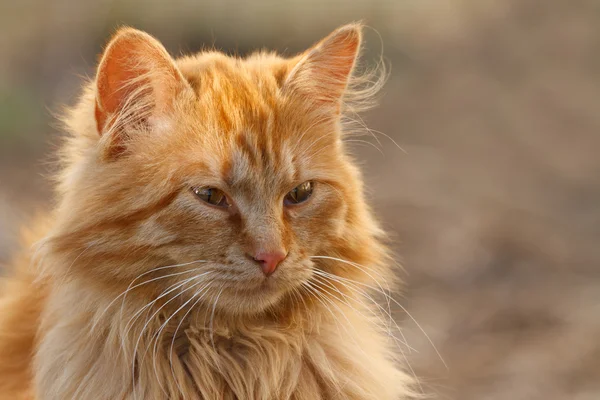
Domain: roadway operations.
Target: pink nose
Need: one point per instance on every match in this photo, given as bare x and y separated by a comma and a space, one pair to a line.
269, 260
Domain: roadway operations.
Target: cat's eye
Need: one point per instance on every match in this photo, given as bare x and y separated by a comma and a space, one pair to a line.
299, 194
211, 196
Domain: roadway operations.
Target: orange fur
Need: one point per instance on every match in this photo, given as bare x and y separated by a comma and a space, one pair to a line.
141, 291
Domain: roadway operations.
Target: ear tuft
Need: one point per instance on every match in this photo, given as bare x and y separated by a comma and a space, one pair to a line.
136, 77
323, 72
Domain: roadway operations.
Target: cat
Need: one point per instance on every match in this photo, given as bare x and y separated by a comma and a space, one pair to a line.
211, 239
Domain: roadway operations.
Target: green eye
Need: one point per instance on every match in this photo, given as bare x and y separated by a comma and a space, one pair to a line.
211, 196
299, 194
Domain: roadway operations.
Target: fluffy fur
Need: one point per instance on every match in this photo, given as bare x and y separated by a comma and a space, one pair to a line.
139, 290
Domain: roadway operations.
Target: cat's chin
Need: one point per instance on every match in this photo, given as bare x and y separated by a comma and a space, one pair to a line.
254, 299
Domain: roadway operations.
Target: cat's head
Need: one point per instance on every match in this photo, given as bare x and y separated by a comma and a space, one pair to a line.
221, 177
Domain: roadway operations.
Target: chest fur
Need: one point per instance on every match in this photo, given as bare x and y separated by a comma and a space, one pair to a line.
274, 362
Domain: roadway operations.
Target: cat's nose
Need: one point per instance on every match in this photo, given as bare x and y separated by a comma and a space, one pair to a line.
269, 260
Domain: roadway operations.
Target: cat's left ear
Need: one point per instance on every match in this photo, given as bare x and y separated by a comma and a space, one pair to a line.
136, 83
323, 72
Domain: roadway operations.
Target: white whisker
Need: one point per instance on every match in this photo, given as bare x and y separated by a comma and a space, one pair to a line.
162, 327
154, 270
312, 290
212, 319
97, 319
388, 296
149, 320
394, 338
350, 284
367, 296
402, 353
171, 349
315, 123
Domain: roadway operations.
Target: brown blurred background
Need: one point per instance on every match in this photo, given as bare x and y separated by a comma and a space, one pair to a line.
493, 206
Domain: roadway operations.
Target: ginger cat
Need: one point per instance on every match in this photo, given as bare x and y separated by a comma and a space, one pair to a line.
211, 239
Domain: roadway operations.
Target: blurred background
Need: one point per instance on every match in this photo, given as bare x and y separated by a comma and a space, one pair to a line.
493, 205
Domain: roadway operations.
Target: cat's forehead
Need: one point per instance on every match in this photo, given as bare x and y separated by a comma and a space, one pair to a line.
235, 95
254, 157
254, 137
236, 81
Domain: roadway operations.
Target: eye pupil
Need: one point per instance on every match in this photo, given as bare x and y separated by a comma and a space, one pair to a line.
211, 196
299, 194
294, 194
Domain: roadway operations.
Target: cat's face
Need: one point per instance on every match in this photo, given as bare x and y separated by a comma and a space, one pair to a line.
258, 188
232, 170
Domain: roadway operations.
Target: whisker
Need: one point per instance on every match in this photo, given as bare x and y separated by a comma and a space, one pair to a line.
351, 286
315, 123
314, 142
171, 349
325, 291
394, 338
66, 273
324, 281
364, 270
360, 121
298, 290
322, 291
405, 358
164, 293
365, 142
99, 317
388, 296
356, 265
312, 290
150, 320
161, 329
154, 270
212, 319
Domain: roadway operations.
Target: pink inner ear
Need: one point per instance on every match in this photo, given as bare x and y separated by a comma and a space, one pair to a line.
336, 57
115, 76
324, 72
133, 62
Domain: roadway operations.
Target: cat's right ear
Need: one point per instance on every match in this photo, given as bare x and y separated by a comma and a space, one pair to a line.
136, 83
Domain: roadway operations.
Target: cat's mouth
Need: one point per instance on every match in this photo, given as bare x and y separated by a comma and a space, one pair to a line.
270, 285
244, 289
235, 300
256, 295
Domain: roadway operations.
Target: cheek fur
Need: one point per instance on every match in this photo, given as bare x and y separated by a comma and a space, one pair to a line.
202, 232
319, 223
